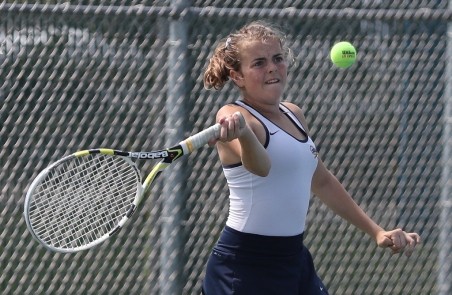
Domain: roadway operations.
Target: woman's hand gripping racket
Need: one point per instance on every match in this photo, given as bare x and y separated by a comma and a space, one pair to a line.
84, 198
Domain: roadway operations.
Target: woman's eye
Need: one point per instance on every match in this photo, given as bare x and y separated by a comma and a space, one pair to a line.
257, 64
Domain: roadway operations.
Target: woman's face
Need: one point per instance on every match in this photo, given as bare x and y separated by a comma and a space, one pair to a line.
263, 72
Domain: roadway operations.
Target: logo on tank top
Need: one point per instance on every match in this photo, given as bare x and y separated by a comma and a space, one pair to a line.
314, 151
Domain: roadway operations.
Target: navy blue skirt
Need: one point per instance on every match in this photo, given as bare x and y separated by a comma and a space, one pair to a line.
248, 264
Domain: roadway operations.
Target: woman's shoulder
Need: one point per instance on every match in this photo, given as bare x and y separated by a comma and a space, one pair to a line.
230, 107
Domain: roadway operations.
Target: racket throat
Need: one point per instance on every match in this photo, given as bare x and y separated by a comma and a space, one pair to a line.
155, 173
175, 153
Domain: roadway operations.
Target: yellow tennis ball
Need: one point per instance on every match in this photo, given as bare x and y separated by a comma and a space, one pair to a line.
343, 54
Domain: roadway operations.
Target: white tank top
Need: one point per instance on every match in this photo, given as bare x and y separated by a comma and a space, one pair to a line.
275, 205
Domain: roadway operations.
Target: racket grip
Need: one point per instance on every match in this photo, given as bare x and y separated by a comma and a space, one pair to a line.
200, 139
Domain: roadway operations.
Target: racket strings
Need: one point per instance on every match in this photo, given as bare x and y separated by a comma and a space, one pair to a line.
60, 202
83, 217
89, 207
83, 199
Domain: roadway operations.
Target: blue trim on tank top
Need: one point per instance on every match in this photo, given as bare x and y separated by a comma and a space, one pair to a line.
284, 109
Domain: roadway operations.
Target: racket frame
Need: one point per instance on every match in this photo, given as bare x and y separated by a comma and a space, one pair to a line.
167, 156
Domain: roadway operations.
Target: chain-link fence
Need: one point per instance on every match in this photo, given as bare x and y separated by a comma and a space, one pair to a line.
128, 75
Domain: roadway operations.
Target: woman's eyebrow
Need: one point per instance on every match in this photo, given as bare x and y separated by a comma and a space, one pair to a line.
259, 59
264, 58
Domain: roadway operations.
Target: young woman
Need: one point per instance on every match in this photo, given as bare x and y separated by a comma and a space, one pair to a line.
271, 166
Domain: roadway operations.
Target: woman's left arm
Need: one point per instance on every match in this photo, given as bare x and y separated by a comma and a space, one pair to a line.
333, 194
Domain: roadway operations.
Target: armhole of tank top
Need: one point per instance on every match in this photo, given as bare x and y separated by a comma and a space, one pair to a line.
232, 165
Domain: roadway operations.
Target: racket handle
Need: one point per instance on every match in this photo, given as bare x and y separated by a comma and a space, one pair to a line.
200, 139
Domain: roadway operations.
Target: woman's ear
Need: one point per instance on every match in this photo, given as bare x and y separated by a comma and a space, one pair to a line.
237, 78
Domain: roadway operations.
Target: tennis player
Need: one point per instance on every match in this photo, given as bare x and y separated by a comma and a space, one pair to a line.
271, 166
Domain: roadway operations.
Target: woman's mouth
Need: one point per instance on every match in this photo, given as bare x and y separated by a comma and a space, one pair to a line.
272, 81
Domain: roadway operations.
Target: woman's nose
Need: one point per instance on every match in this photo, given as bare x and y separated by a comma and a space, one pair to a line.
272, 67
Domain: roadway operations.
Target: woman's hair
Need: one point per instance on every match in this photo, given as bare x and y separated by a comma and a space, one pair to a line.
226, 55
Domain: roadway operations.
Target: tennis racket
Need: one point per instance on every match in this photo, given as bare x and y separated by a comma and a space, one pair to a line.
86, 197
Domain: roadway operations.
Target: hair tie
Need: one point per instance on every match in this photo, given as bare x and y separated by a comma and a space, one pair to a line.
228, 42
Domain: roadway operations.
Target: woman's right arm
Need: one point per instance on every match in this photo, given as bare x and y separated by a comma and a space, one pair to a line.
238, 142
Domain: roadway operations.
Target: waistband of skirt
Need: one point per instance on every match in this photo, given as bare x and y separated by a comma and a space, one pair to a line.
232, 239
